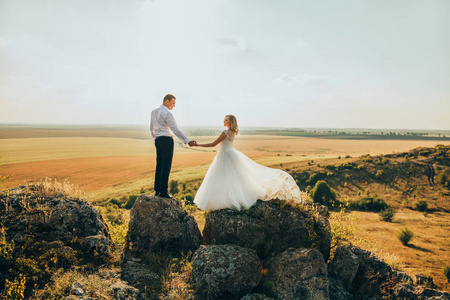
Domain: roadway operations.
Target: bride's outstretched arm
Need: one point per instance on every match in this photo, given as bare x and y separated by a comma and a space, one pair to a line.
221, 137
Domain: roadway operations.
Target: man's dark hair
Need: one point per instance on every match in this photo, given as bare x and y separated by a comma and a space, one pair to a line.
168, 97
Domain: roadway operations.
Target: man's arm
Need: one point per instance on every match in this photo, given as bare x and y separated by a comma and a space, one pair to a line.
173, 126
151, 127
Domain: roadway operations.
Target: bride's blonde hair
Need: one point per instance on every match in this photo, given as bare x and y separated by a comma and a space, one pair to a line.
233, 124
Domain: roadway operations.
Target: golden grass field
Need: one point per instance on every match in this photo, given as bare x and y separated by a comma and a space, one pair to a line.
428, 251
98, 163
110, 166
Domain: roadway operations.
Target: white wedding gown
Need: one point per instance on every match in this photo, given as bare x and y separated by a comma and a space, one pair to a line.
234, 181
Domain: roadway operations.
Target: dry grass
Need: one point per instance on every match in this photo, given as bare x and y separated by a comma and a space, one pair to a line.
20, 150
428, 250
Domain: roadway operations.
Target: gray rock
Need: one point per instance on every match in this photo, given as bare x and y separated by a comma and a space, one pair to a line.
226, 271
424, 280
252, 296
408, 291
298, 274
269, 227
122, 291
345, 264
52, 219
160, 224
138, 274
77, 289
338, 291
364, 274
99, 243
401, 277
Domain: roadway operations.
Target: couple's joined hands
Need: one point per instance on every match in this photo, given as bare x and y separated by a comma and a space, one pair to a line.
192, 143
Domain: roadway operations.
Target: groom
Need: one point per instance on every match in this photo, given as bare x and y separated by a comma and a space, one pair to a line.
162, 127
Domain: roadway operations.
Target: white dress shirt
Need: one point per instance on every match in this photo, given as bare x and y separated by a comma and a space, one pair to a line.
163, 124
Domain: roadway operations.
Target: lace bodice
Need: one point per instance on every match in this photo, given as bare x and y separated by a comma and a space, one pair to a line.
228, 141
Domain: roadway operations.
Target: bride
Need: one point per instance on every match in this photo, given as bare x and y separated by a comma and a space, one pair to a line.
234, 181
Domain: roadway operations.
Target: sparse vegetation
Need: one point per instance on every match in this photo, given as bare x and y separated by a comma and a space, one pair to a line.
15, 289
173, 187
420, 205
368, 203
387, 215
446, 272
342, 228
404, 235
131, 200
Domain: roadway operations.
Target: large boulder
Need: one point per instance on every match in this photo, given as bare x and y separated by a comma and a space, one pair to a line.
298, 274
362, 273
46, 228
160, 224
55, 220
408, 291
269, 227
224, 271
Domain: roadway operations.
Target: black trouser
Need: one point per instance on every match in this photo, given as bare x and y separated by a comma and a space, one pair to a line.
164, 154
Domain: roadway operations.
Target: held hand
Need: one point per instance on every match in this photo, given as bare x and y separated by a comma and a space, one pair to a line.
192, 143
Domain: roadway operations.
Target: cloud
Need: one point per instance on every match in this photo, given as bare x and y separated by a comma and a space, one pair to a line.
303, 80
230, 44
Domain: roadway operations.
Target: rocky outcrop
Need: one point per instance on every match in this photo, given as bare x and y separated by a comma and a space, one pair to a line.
160, 224
55, 221
366, 276
139, 274
408, 291
225, 271
274, 250
269, 227
46, 229
298, 274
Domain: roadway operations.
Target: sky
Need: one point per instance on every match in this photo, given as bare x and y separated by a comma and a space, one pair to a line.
285, 63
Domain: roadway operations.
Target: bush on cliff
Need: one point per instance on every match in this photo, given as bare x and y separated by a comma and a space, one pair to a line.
368, 203
404, 235
387, 215
322, 193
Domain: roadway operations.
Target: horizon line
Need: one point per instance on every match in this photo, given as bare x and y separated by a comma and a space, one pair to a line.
100, 125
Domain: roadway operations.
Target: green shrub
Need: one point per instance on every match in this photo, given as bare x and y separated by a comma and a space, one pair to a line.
190, 208
368, 203
173, 187
404, 235
379, 174
6, 251
420, 205
131, 200
114, 215
114, 201
387, 215
446, 272
189, 199
323, 194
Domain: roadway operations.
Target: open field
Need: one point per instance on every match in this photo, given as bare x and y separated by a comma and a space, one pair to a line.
113, 163
428, 251
19, 150
105, 165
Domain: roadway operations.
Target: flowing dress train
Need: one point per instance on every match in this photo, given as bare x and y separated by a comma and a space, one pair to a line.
234, 181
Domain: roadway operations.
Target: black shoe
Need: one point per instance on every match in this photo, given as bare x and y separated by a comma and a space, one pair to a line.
165, 196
